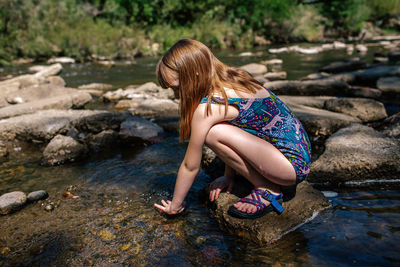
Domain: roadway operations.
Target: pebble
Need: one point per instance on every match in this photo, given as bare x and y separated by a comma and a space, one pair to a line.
49, 207
37, 195
329, 193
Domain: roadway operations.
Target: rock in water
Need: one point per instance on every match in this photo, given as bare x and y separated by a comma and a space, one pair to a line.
37, 195
138, 130
62, 149
12, 201
357, 153
271, 227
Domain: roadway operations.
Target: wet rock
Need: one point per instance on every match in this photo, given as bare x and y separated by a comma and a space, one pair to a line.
389, 84
315, 87
139, 130
55, 80
211, 164
371, 75
168, 123
343, 66
309, 101
145, 91
362, 91
271, 227
37, 195
254, 68
273, 76
38, 92
11, 202
49, 207
149, 108
391, 126
365, 109
61, 60
104, 139
96, 86
319, 122
49, 70
357, 153
361, 48
62, 149
73, 100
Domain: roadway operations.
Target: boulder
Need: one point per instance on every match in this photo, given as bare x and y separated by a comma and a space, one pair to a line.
62, 149
37, 195
149, 108
273, 76
38, 92
73, 100
362, 91
309, 101
254, 68
96, 86
102, 140
138, 130
366, 110
271, 227
389, 84
371, 75
315, 87
11, 202
357, 153
343, 66
319, 122
49, 70
55, 80
391, 126
42, 126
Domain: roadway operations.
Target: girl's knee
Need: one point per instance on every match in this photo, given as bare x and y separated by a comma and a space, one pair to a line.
216, 134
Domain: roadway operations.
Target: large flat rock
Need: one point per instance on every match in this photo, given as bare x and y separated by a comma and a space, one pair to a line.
357, 153
324, 87
271, 227
65, 101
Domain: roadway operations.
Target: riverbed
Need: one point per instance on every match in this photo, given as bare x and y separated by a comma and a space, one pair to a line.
112, 222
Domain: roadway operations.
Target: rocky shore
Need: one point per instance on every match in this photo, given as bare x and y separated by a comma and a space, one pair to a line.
342, 107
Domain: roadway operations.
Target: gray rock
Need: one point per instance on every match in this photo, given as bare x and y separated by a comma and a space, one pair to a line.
271, 227
102, 140
37, 195
55, 80
344, 66
371, 75
309, 101
39, 92
139, 130
314, 87
366, 110
149, 108
73, 100
391, 126
96, 86
44, 125
357, 153
12, 202
362, 91
389, 84
254, 68
62, 149
319, 122
49, 70
61, 60
273, 76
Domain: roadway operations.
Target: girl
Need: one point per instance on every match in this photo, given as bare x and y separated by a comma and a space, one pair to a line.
245, 124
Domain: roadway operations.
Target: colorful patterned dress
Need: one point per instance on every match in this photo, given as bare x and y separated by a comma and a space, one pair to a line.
269, 118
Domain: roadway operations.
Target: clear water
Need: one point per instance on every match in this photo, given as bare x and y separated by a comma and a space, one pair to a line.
113, 222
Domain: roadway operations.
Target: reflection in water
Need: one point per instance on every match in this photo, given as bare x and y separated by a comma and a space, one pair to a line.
113, 221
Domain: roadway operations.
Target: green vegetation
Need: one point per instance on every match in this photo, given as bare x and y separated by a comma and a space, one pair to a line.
88, 29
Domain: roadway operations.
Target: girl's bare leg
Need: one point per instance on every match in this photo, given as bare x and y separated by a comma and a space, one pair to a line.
252, 157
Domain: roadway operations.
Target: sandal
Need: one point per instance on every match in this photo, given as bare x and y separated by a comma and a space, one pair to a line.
262, 209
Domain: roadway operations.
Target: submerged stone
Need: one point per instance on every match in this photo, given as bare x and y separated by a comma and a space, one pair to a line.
13, 201
37, 195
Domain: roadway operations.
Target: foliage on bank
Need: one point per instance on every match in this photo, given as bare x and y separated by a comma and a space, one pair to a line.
86, 29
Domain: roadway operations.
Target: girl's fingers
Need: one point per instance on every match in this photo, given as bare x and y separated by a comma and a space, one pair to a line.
217, 193
164, 203
159, 207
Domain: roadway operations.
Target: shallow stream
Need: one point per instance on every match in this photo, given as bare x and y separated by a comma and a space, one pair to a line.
113, 222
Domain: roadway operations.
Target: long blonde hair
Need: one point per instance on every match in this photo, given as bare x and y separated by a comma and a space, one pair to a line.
201, 75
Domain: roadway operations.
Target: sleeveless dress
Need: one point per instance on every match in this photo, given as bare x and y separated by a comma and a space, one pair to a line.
270, 119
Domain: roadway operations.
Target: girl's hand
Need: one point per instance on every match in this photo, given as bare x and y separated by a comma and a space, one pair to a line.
220, 184
167, 207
